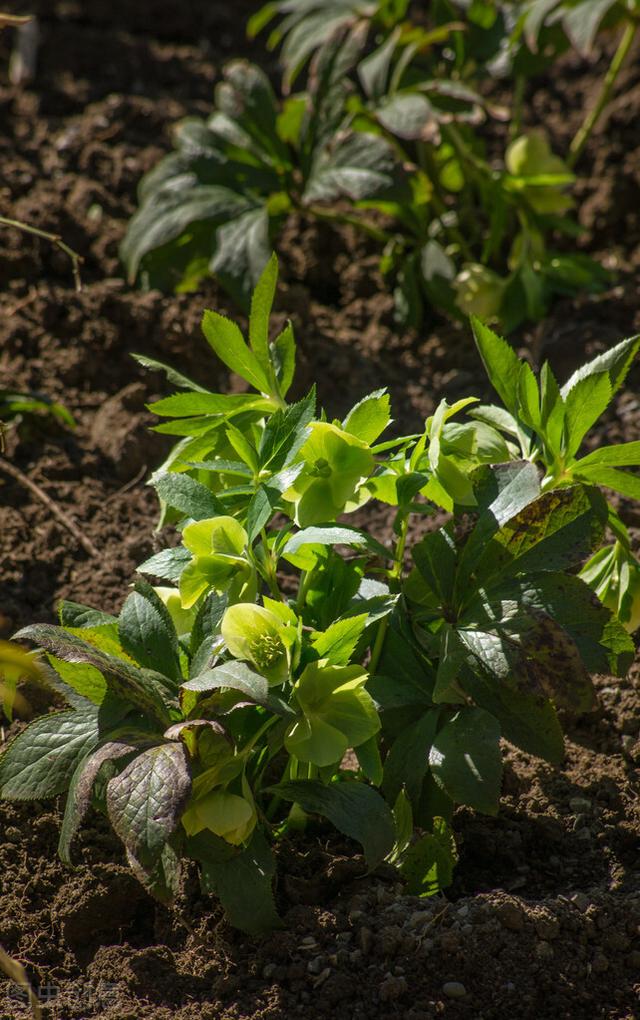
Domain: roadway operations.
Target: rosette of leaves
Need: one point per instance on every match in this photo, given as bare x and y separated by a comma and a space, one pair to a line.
182, 717
216, 203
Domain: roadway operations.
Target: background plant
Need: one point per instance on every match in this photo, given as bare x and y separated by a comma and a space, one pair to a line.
386, 135
214, 713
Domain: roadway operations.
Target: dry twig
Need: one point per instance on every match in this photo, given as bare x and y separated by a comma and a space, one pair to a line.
57, 511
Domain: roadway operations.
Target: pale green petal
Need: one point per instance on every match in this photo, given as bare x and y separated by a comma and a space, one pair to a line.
354, 714
311, 739
215, 535
229, 816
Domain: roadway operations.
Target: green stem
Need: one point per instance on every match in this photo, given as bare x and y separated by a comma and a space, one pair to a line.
334, 216
518, 103
395, 573
438, 200
619, 57
26, 228
272, 577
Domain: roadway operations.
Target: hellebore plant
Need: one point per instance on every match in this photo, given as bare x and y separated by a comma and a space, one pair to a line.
282, 667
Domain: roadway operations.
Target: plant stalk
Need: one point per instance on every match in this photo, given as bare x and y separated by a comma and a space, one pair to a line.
26, 228
582, 136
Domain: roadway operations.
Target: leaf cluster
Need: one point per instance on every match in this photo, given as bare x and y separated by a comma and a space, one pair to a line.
281, 666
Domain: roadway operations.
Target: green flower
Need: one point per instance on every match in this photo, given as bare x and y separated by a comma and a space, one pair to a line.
219, 561
335, 464
230, 816
257, 635
479, 291
183, 619
336, 713
614, 575
531, 156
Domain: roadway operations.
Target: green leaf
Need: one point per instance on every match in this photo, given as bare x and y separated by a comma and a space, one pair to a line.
147, 632
284, 356
528, 396
334, 535
557, 530
81, 789
616, 362
167, 564
186, 404
285, 433
621, 455
72, 614
357, 166
242, 249
620, 481
369, 418
187, 495
85, 680
162, 878
145, 801
145, 689
501, 363
225, 338
465, 759
238, 676
242, 879
261, 305
428, 865
584, 404
338, 642
527, 719
356, 810
408, 115
173, 376
41, 760
368, 755
408, 760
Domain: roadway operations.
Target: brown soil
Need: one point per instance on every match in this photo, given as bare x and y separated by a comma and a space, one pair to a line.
544, 917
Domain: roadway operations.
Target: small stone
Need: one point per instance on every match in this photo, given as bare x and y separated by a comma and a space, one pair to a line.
392, 988
462, 911
584, 835
418, 919
322, 977
600, 964
450, 942
580, 805
268, 971
579, 821
365, 940
316, 965
581, 901
454, 990
510, 916
308, 942
547, 928
355, 916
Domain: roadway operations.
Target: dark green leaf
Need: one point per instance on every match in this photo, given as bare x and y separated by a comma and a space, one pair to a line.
408, 760
41, 760
145, 801
147, 632
428, 865
241, 878
187, 495
356, 810
465, 759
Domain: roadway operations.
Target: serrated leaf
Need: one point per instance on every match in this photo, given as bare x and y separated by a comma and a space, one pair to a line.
334, 535
338, 642
146, 800
147, 632
261, 305
162, 878
616, 362
167, 564
584, 404
225, 338
621, 455
145, 689
81, 789
465, 759
356, 810
242, 249
620, 481
369, 418
186, 404
191, 497
500, 361
41, 760
357, 166
85, 680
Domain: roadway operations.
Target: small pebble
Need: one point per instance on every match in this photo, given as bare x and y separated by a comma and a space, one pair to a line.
600, 964
316, 965
581, 901
454, 990
580, 805
544, 951
510, 916
392, 988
